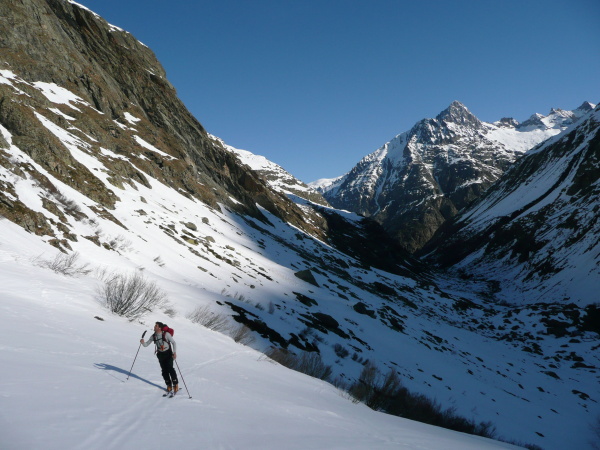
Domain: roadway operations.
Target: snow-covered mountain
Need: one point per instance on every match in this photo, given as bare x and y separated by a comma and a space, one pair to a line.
276, 176
535, 232
423, 177
101, 165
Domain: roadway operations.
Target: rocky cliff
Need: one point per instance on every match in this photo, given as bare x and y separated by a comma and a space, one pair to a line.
65, 68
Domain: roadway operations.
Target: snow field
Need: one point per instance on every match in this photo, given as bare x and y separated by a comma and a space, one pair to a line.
65, 383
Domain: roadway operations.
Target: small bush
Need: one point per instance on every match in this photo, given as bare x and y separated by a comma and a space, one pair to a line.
131, 296
595, 427
71, 207
102, 273
340, 351
204, 316
207, 318
242, 335
307, 363
66, 264
170, 311
387, 394
120, 244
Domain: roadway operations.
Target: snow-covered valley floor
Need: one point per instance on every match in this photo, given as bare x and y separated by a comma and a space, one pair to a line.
65, 381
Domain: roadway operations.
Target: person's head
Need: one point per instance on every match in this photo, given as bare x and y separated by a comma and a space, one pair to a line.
158, 326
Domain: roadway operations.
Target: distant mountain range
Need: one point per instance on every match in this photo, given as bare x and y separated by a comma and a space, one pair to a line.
423, 177
276, 176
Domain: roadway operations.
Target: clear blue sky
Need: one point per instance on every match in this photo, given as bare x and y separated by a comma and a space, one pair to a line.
316, 85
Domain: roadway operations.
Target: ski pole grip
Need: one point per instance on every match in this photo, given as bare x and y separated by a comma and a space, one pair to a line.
144, 334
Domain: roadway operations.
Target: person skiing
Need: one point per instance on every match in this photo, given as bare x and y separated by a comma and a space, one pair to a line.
166, 352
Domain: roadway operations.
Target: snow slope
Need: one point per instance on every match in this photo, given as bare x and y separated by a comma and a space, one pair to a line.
65, 383
467, 357
126, 206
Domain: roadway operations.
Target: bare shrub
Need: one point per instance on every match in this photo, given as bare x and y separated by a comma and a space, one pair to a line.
204, 316
131, 296
242, 335
66, 264
170, 311
282, 356
309, 363
120, 244
386, 393
236, 296
71, 206
221, 323
365, 386
342, 384
340, 351
312, 364
102, 273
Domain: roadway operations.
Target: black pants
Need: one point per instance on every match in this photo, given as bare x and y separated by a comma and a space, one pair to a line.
166, 364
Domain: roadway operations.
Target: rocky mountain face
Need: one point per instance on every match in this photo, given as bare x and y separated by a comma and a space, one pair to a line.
535, 232
423, 177
98, 158
65, 68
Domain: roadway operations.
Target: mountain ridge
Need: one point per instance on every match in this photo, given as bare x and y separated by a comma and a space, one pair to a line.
537, 221
424, 176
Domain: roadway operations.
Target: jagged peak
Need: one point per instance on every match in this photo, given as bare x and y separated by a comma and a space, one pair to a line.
535, 120
459, 114
455, 107
557, 111
586, 106
507, 122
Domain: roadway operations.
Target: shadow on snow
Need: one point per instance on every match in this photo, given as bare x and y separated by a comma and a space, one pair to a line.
108, 367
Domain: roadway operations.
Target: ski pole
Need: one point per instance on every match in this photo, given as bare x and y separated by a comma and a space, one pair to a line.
136, 355
182, 379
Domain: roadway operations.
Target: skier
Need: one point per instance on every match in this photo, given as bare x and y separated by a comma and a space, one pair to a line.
166, 353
